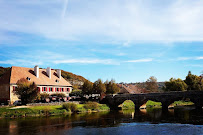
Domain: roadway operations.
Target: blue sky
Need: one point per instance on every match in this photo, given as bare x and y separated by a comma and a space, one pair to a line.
127, 40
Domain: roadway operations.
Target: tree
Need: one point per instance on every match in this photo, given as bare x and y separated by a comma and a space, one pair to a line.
151, 84
27, 91
111, 87
99, 87
175, 85
194, 82
87, 87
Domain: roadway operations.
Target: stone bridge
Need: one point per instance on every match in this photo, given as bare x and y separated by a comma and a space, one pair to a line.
167, 98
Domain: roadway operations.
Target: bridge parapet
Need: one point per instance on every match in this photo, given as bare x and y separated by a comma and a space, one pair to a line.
165, 98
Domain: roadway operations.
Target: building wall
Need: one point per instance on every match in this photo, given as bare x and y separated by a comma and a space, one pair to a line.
4, 93
13, 97
65, 90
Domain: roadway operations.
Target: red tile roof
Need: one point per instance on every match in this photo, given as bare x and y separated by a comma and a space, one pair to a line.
131, 89
17, 73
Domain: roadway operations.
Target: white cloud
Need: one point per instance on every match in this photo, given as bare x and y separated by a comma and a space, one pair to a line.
140, 60
122, 21
189, 58
85, 61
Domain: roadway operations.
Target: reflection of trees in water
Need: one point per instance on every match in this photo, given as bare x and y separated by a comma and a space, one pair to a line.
103, 119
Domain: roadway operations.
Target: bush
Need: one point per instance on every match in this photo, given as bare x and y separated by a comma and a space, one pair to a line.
91, 105
70, 107
59, 95
46, 111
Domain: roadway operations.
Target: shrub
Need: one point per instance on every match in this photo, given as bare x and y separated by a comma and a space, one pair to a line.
91, 105
70, 107
59, 95
44, 95
46, 111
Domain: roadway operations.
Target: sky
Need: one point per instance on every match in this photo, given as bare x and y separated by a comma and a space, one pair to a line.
125, 40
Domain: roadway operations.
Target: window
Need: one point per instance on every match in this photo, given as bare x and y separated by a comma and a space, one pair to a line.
14, 88
57, 81
57, 89
43, 88
28, 78
51, 89
61, 89
68, 89
38, 89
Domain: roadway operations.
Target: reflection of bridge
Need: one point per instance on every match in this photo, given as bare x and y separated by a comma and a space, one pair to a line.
165, 98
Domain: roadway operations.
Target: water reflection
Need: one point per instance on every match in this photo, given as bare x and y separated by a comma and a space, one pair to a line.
59, 124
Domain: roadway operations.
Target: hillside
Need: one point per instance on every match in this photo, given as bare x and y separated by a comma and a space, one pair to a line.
72, 78
3, 70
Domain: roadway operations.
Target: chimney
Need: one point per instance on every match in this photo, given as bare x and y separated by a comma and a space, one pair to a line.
49, 72
36, 70
59, 73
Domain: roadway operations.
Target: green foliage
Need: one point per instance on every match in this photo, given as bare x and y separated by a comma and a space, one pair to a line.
151, 84
152, 104
70, 107
194, 82
26, 91
76, 93
128, 104
44, 95
59, 95
99, 87
111, 87
87, 87
182, 103
91, 105
175, 85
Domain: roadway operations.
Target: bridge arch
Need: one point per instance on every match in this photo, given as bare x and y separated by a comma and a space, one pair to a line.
165, 98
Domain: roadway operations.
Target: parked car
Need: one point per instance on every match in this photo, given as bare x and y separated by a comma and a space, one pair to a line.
17, 103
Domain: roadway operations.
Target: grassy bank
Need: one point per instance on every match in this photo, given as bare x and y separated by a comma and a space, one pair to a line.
182, 103
128, 104
10, 112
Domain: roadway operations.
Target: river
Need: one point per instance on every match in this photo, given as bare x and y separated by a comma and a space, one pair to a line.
180, 121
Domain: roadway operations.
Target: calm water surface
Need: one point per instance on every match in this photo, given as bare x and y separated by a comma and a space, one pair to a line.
183, 121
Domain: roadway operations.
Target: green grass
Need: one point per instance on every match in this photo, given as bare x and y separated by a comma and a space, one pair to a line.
182, 103
153, 104
128, 104
6, 112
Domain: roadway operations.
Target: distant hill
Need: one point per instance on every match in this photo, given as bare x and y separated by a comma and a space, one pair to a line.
72, 78
3, 70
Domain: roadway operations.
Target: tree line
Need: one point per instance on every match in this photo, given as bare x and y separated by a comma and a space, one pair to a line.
191, 82
100, 87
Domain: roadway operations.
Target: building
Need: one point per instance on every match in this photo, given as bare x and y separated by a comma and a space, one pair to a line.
47, 80
130, 89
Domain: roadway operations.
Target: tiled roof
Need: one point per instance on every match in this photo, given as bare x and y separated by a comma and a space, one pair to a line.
22, 72
132, 89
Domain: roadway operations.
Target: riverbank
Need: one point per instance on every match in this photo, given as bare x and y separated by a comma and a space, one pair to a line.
50, 110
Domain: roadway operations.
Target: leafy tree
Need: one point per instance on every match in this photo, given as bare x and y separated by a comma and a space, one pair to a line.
194, 82
175, 85
151, 84
111, 87
76, 93
87, 87
99, 87
26, 91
